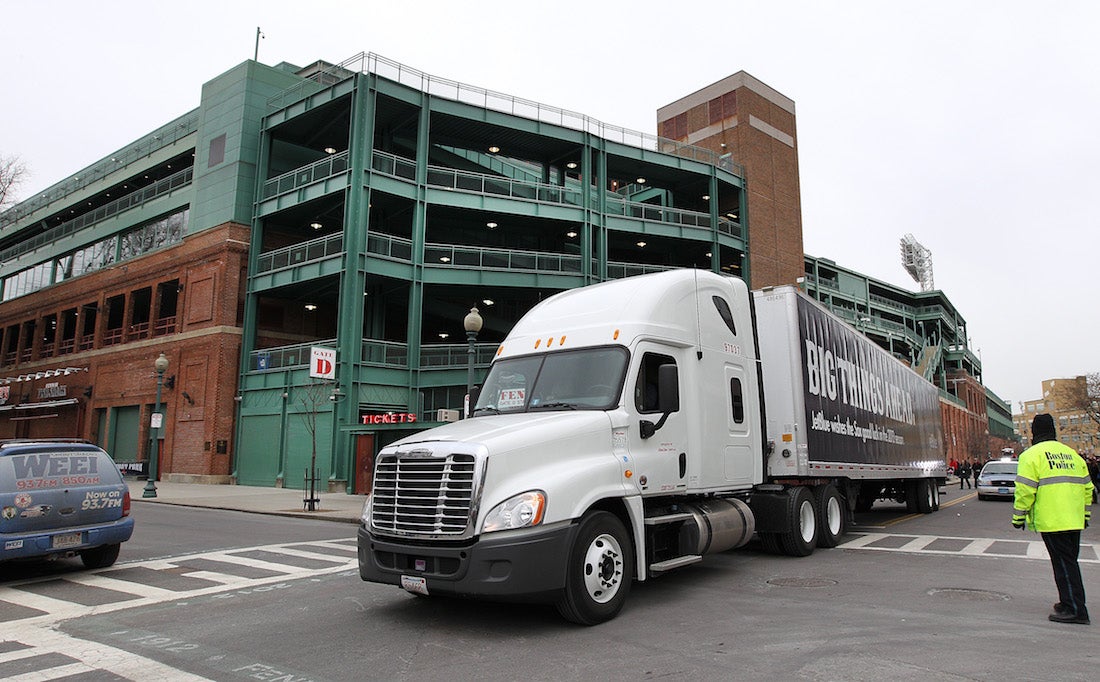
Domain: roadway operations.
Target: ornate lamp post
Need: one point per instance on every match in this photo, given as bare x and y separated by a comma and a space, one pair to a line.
161, 366
472, 323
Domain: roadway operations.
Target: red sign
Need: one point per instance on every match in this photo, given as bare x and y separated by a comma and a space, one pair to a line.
389, 418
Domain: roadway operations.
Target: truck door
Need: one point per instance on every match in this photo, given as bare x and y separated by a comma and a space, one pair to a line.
740, 461
660, 462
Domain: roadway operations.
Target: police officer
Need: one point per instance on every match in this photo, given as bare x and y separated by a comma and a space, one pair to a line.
1053, 491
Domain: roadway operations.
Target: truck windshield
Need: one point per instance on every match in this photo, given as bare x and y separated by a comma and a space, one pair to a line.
587, 379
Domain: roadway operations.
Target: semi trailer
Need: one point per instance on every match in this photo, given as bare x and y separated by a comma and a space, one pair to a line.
629, 428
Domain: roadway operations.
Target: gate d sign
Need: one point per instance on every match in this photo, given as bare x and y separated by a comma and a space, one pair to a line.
322, 363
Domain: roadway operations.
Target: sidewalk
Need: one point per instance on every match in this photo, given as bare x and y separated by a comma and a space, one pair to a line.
258, 500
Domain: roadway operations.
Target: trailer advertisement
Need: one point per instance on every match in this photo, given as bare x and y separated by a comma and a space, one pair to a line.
855, 391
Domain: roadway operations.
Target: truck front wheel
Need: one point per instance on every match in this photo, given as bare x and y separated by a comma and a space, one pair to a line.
599, 570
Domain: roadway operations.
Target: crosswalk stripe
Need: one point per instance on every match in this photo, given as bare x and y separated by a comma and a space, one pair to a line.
921, 544
49, 609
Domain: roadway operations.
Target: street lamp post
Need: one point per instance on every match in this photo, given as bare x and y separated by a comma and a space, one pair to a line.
472, 323
161, 366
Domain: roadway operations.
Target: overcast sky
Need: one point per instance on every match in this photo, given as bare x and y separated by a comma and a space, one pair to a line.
972, 125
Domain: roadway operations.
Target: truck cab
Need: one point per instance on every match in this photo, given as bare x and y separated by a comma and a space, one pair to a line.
599, 424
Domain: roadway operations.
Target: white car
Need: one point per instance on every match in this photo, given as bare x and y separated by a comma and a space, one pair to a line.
998, 479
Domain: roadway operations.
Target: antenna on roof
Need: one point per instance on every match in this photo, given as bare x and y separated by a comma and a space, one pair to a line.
259, 35
917, 261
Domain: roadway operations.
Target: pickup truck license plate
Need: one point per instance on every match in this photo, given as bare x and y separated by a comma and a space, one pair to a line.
65, 540
414, 584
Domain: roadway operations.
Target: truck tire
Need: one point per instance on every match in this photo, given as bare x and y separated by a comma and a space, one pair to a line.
100, 557
599, 570
829, 509
769, 542
800, 538
926, 496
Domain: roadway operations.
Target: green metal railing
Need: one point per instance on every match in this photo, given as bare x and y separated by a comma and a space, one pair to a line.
496, 101
451, 355
499, 259
284, 357
298, 254
306, 175
620, 270
136, 198
390, 247
162, 137
375, 352
663, 214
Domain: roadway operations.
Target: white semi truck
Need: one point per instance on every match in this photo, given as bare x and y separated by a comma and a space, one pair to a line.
629, 428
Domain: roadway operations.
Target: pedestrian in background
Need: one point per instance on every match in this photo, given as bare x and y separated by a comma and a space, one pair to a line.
975, 471
1053, 493
963, 473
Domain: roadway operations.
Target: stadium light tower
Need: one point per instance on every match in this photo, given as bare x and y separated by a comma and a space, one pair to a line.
917, 261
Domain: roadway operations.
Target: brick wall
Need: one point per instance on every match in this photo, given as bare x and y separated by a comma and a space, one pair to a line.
203, 353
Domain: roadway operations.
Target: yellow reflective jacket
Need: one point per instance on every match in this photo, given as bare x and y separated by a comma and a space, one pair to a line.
1053, 488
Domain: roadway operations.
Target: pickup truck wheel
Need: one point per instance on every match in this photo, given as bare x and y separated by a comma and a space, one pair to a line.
100, 557
830, 515
800, 538
599, 571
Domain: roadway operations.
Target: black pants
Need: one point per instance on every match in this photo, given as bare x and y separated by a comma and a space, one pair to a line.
964, 480
1063, 547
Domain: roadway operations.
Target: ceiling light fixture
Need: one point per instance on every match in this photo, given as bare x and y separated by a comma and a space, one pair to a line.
494, 149
571, 165
330, 150
571, 234
641, 245
315, 226
310, 307
490, 225
640, 181
445, 259
443, 335
706, 197
487, 301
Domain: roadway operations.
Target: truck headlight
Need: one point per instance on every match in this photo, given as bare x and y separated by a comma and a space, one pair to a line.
520, 511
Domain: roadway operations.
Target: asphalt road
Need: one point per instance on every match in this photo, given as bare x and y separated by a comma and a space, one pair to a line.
200, 594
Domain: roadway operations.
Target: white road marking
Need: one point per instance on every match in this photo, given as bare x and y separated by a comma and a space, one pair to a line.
919, 544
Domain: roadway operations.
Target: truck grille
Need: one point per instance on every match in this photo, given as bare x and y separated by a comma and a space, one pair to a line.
423, 495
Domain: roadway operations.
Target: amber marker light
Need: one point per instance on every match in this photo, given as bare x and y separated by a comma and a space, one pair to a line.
500, 349
615, 336
538, 342
628, 473
561, 341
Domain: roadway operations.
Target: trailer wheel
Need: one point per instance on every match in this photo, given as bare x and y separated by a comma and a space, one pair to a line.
926, 496
800, 538
935, 495
599, 571
830, 515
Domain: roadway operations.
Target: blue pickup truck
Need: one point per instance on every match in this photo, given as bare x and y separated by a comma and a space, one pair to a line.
62, 498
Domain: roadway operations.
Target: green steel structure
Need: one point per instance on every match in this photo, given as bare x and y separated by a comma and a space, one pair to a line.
389, 202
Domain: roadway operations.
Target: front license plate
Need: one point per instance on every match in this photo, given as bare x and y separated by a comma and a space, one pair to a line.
66, 540
414, 584
1002, 491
